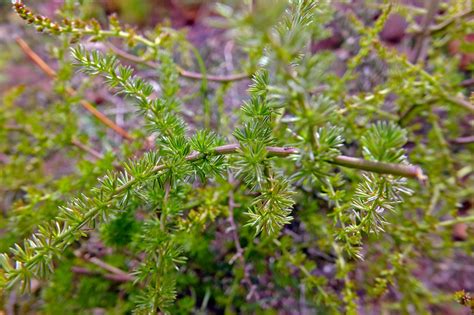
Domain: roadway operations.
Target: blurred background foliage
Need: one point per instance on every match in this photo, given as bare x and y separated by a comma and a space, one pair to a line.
52, 149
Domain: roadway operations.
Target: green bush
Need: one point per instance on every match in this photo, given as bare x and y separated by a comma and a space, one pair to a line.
320, 193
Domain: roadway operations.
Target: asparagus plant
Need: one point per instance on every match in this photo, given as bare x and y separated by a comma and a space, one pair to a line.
308, 158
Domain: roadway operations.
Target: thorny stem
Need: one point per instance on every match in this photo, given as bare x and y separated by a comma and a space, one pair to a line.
88, 106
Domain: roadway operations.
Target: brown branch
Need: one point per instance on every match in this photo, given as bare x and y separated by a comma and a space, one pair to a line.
35, 58
88, 106
182, 72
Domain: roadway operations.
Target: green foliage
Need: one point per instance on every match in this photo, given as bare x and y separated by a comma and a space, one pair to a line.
303, 200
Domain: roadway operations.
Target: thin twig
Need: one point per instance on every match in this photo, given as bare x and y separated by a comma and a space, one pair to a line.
443, 94
182, 72
445, 24
11, 302
119, 274
235, 236
461, 102
108, 276
467, 82
87, 149
463, 140
423, 37
22, 129
88, 106
74, 141
164, 206
461, 219
93, 153
215, 78
233, 227
131, 57
114, 270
